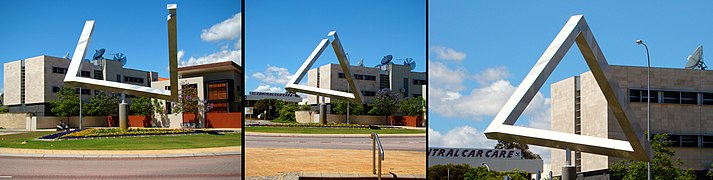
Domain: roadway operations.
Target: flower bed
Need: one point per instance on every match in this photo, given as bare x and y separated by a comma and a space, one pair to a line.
317, 125
113, 132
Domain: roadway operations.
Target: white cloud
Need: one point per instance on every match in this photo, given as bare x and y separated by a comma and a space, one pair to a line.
492, 74
446, 53
268, 88
273, 75
220, 56
440, 75
229, 29
463, 136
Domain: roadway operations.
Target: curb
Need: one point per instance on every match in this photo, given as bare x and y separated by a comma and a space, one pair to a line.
122, 155
260, 134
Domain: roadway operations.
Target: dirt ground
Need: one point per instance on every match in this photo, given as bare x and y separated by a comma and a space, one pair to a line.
272, 161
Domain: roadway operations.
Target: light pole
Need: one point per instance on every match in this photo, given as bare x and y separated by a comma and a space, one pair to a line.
486, 166
648, 101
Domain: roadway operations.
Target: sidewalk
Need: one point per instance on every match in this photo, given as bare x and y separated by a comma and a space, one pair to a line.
217, 151
332, 135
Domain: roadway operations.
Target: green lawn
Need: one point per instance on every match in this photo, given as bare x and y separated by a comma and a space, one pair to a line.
311, 130
122, 143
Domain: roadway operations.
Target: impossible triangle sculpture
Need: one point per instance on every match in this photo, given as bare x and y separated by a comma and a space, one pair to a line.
576, 30
72, 79
293, 85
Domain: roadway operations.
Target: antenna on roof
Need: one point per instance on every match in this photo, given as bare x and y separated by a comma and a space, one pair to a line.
66, 56
695, 60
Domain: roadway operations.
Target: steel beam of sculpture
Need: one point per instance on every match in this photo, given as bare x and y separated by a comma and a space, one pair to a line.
72, 79
293, 84
576, 30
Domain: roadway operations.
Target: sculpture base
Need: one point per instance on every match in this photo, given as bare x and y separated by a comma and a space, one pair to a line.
123, 116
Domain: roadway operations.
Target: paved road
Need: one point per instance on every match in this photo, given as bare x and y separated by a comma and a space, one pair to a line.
209, 167
363, 143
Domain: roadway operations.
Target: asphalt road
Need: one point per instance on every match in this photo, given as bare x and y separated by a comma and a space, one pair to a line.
360, 143
208, 167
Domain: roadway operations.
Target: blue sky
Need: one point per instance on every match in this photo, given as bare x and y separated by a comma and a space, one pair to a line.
280, 34
133, 27
480, 51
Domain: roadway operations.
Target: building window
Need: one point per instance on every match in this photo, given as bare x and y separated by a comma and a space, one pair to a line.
707, 98
689, 98
675, 140
707, 141
689, 141
166, 102
634, 95
341, 75
59, 70
673, 97
85, 74
358, 76
218, 91
85, 91
416, 95
419, 82
133, 79
219, 107
55, 89
98, 75
369, 78
368, 93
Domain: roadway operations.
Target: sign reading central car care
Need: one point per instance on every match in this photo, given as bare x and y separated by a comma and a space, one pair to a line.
494, 159
475, 153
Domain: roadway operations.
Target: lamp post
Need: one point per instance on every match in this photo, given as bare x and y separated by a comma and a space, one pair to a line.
486, 166
648, 100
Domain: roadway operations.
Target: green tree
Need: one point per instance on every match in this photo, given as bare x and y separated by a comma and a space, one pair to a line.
710, 172
412, 106
386, 103
286, 111
442, 172
102, 104
662, 167
524, 148
264, 105
67, 103
189, 102
354, 108
141, 106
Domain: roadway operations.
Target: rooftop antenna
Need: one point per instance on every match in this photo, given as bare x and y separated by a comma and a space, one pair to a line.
361, 63
385, 60
120, 57
695, 60
409, 62
66, 56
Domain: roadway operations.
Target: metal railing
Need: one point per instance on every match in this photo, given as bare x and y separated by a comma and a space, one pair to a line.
375, 140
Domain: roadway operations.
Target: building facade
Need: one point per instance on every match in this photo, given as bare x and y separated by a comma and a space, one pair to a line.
681, 106
370, 80
218, 83
30, 84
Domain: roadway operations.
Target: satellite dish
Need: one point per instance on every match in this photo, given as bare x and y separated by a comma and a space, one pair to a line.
409, 62
98, 54
695, 60
387, 59
121, 58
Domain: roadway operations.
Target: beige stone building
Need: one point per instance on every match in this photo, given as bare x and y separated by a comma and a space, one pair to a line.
30, 84
399, 78
681, 106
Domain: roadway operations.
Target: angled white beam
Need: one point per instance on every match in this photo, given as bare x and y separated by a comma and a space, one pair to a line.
293, 84
72, 79
575, 30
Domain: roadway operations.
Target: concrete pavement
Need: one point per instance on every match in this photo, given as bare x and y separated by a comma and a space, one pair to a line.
217, 151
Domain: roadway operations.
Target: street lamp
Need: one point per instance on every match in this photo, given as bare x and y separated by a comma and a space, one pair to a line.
486, 166
648, 100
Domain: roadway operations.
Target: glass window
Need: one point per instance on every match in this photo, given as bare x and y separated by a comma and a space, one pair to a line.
689, 98
358, 76
707, 98
219, 107
634, 95
217, 91
707, 141
675, 140
341, 75
368, 93
55, 89
85, 74
673, 97
689, 141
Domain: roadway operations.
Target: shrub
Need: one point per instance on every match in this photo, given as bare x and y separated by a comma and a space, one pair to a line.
286, 111
412, 106
354, 108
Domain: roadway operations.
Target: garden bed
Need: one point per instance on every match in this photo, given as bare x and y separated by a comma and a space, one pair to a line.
114, 132
317, 125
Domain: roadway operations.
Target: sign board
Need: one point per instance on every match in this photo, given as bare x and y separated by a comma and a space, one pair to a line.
249, 110
494, 159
